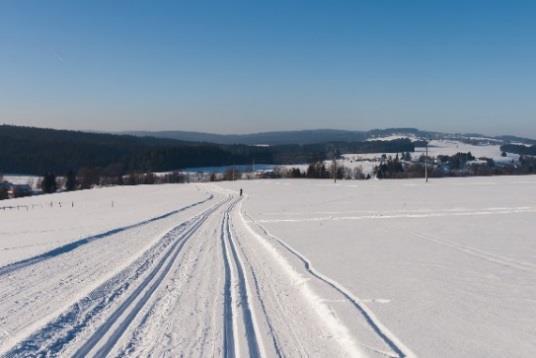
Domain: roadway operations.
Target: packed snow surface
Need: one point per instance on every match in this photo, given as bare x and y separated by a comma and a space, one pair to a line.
448, 266
292, 268
41, 223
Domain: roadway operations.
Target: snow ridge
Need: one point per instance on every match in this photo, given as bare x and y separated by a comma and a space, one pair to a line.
385, 334
339, 330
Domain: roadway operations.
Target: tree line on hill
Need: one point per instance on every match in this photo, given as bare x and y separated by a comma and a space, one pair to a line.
519, 149
390, 167
87, 178
36, 151
285, 137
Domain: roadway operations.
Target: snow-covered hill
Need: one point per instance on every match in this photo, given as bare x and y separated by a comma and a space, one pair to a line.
293, 268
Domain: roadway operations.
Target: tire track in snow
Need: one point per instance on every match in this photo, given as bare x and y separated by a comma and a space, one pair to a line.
254, 344
63, 249
382, 331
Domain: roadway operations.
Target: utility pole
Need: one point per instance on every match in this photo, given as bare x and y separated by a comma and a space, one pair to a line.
426, 163
334, 168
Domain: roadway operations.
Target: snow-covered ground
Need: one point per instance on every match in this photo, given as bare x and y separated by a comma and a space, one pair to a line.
293, 268
40, 223
448, 267
451, 147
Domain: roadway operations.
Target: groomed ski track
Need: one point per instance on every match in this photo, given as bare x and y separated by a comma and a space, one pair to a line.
213, 285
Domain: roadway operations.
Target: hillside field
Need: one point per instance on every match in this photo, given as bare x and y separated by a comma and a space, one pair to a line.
395, 268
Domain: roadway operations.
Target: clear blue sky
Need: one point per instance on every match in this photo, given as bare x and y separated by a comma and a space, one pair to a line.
228, 66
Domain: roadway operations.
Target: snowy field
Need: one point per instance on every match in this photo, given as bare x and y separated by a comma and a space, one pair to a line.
44, 222
367, 161
451, 147
293, 268
448, 267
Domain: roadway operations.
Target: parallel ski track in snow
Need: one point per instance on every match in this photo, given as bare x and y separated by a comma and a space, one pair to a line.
382, 331
228, 324
264, 308
131, 309
63, 249
231, 344
57, 334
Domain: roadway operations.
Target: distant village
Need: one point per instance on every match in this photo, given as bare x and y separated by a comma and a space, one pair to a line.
10, 191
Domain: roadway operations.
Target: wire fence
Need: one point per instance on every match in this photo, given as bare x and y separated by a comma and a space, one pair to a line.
52, 204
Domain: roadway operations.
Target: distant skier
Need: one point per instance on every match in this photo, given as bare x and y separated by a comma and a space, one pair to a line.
240, 191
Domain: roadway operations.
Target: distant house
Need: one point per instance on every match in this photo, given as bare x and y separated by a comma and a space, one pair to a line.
5, 185
20, 190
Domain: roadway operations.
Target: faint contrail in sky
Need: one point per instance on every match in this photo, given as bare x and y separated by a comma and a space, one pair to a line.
59, 57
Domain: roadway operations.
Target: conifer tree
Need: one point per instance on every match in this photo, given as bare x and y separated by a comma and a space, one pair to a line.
70, 183
49, 185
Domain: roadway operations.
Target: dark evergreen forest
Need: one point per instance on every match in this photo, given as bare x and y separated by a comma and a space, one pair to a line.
28, 150
519, 149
